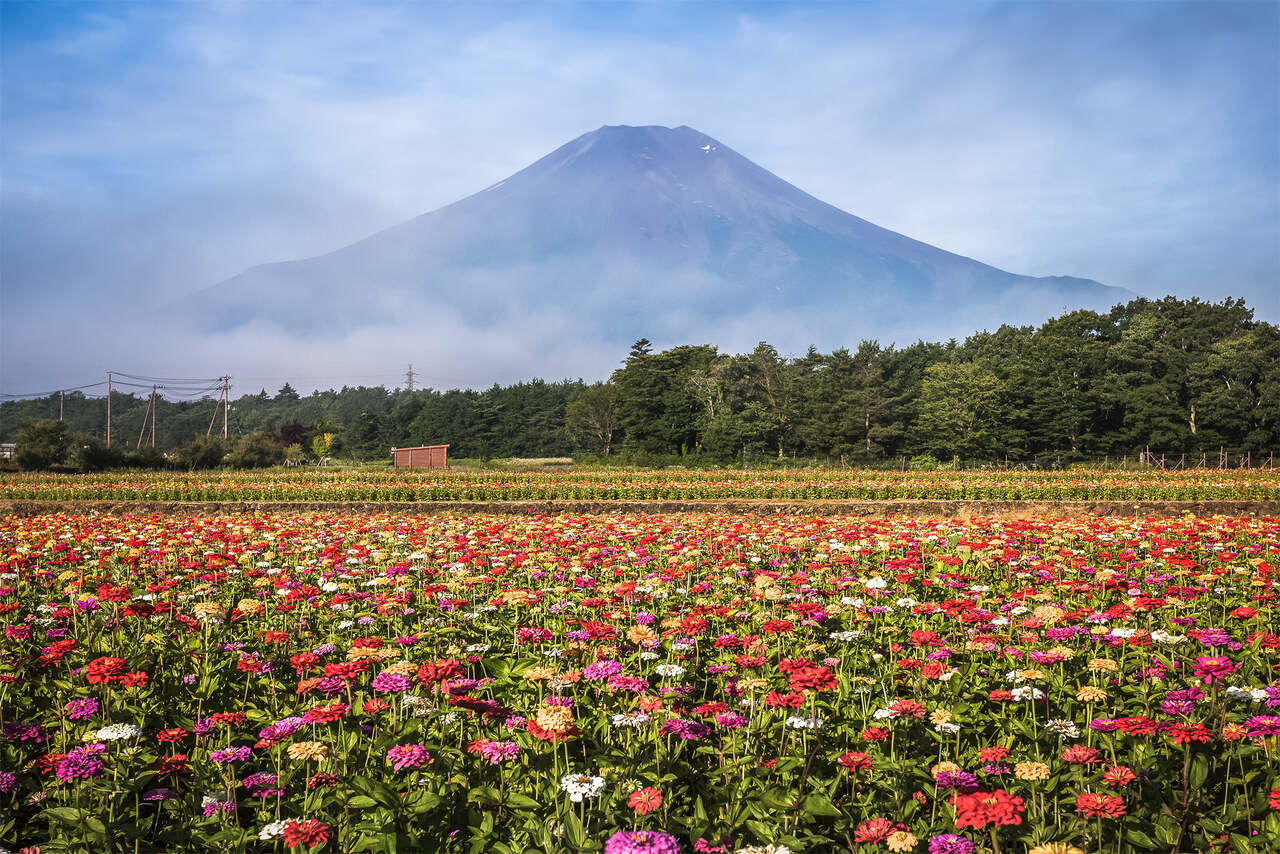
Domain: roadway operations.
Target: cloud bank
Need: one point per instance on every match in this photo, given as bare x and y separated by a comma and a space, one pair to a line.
151, 150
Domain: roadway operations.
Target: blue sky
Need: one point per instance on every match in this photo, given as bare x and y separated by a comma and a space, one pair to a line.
152, 149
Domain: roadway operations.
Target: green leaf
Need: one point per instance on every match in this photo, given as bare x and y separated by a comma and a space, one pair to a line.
66, 815
361, 802
1140, 839
818, 805
521, 801
1199, 771
573, 830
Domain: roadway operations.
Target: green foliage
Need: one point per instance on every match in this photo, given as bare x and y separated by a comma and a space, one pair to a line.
1181, 377
257, 450
41, 444
204, 452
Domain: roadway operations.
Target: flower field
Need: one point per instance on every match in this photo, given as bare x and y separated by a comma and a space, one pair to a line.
637, 683
618, 484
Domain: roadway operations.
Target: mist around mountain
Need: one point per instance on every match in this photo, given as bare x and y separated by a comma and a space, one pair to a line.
629, 232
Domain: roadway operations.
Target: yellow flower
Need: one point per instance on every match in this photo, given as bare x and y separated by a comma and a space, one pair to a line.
903, 840
1048, 614
1031, 771
1028, 675
940, 716
1090, 694
250, 606
1102, 665
1056, 848
752, 683
307, 750
1063, 652
640, 634
203, 609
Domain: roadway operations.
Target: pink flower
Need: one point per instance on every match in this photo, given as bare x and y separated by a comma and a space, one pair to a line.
408, 756
392, 682
1211, 667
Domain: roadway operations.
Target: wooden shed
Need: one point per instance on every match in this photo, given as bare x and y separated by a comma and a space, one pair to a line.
421, 457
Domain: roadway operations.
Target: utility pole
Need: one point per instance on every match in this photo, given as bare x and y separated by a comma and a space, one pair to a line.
145, 415
153, 416
408, 379
226, 403
108, 409
62, 397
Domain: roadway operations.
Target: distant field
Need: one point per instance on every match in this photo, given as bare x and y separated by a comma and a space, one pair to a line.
618, 485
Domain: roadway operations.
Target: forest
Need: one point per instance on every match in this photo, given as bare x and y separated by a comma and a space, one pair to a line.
1174, 377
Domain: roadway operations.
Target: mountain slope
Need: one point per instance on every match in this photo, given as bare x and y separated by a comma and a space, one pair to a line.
631, 231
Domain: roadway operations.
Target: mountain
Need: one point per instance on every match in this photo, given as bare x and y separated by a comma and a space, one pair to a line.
658, 232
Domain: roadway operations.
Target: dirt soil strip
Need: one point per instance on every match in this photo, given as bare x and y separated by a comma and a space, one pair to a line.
921, 509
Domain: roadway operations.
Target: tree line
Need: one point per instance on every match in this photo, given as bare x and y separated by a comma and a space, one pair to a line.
1172, 376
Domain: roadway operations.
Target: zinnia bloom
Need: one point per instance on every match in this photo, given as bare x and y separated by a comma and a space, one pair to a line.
308, 833
979, 809
1096, 805
408, 756
641, 842
307, 750
645, 800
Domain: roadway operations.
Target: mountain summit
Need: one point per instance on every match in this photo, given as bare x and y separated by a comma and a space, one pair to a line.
648, 231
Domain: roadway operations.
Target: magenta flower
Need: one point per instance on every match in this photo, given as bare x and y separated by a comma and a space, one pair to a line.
228, 755
392, 683
499, 751
82, 763
408, 756
641, 842
82, 710
1211, 667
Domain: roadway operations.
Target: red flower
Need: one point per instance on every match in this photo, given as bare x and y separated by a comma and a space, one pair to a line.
999, 695
1100, 806
776, 627
978, 809
1274, 799
135, 679
1182, 733
171, 735
326, 714
645, 801
815, 678
874, 830
276, 637
1118, 776
993, 754
438, 671
793, 700
105, 669
172, 764
307, 833
855, 761
914, 708
375, 706
875, 733
1080, 754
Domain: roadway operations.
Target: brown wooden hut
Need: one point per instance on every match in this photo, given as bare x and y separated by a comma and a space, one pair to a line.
421, 457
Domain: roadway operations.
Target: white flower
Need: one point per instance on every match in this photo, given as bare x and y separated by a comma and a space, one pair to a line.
1246, 695
1161, 636
271, 831
844, 636
327, 587
579, 786
876, 584
947, 728
797, 722
631, 720
648, 656
671, 670
1124, 634
345, 624
478, 647
881, 714
1063, 728
907, 602
764, 849
118, 732
1027, 692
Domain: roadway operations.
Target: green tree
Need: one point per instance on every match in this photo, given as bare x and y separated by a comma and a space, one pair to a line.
960, 410
41, 444
593, 415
